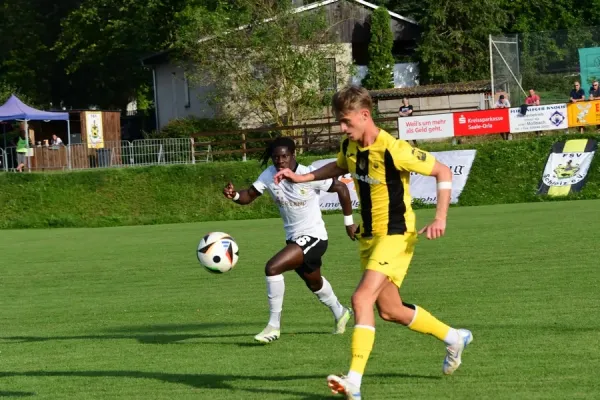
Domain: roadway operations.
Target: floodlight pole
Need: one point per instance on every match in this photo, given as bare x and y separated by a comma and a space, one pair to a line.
492, 72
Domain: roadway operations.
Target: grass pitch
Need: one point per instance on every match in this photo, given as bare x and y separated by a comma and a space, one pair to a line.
128, 313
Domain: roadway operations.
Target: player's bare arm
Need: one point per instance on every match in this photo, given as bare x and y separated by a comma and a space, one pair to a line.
443, 176
344, 195
242, 197
327, 171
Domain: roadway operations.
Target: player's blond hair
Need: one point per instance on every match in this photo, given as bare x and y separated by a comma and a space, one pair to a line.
351, 98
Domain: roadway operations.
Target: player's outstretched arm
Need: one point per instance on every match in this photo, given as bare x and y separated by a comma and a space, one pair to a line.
327, 171
242, 197
443, 176
344, 195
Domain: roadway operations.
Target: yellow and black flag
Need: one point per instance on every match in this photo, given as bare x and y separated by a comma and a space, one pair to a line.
567, 167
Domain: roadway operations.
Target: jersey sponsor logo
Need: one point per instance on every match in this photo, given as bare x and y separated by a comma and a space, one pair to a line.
366, 178
290, 203
421, 155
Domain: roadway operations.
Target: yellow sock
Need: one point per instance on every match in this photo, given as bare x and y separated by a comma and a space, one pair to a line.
363, 338
426, 323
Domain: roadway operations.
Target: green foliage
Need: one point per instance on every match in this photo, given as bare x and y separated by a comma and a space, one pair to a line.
102, 43
264, 62
503, 172
7, 89
454, 39
381, 60
187, 127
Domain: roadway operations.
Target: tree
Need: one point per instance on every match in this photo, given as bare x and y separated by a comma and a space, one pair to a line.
265, 62
381, 61
102, 42
454, 39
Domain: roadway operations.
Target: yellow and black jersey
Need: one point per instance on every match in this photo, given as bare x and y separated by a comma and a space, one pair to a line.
381, 175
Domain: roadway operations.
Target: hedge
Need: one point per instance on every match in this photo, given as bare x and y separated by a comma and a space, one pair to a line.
503, 172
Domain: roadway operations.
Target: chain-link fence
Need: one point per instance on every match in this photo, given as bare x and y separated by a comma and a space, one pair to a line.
547, 62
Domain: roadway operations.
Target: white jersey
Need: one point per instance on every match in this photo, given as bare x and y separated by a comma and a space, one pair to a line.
298, 202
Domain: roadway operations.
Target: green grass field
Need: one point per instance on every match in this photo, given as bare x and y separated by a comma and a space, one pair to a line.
128, 313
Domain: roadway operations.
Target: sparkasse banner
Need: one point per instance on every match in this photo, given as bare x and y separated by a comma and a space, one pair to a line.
539, 118
422, 187
436, 126
482, 122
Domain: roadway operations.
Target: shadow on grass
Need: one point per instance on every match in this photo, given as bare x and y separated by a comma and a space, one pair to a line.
205, 381
16, 394
158, 334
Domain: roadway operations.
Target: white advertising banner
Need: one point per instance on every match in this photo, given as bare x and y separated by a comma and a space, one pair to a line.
330, 201
437, 126
564, 169
422, 187
539, 118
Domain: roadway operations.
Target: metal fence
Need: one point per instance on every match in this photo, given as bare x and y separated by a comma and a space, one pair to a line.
548, 62
112, 154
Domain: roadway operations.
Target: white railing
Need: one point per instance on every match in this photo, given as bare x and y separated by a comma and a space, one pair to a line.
112, 154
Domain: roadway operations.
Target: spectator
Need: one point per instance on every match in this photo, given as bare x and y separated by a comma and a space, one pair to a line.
533, 99
406, 110
503, 103
22, 151
56, 141
577, 93
595, 91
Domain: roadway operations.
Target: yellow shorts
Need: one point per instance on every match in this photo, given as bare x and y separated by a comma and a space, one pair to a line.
389, 255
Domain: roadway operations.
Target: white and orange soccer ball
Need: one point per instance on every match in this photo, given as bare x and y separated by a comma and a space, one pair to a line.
218, 252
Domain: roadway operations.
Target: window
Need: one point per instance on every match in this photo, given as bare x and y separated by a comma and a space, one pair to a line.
328, 78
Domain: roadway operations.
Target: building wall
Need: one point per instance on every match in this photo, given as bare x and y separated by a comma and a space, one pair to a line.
173, 100
171, 92
437, 104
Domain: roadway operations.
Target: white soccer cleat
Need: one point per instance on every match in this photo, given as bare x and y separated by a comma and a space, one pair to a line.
341, 385
340, 324
454, 352
268, 335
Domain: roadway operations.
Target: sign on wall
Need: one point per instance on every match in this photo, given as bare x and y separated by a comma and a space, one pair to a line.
94, 129
539, 118
436, 126
481, 122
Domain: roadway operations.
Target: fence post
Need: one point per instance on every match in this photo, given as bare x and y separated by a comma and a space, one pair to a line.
305, 138
244, 146
193, 150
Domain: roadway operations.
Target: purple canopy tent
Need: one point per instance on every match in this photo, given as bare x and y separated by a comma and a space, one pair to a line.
15, 109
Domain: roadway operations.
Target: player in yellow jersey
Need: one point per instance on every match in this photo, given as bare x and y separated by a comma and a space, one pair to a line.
381, 165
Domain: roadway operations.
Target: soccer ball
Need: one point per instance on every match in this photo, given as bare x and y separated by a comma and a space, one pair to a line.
218, 252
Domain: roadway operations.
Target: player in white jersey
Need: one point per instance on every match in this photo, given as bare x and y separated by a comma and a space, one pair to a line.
306, 236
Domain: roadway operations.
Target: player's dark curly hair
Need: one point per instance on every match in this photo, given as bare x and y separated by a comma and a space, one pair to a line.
279, 142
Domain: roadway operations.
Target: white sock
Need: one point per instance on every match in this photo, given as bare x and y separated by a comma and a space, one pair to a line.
327, 297
453, 337
275, 291
355, 378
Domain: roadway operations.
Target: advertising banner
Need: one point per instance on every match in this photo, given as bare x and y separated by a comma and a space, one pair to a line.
437, 126
539, 118
482, 122
584, 113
